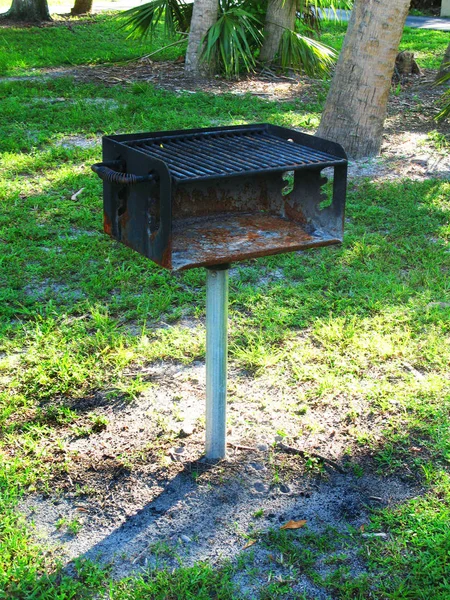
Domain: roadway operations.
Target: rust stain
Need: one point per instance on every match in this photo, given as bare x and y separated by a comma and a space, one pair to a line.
241, 194
166, 260
294, 213
232, 237
124, 219
107, 225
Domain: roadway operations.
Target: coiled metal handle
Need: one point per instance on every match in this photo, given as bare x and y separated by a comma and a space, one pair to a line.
106, 171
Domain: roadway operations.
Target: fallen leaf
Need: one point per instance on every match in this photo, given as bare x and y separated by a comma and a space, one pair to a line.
74, 197
294, 524
249, 543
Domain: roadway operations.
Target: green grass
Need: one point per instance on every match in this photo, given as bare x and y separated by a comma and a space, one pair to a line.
99, 40
88, 41
368, 321
89, 109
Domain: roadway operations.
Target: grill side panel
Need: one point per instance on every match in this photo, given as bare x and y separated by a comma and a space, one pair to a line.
140, 215
307, 196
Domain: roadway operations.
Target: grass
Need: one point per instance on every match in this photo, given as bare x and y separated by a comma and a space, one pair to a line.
93, 110
98, 39
88, 41
368, 321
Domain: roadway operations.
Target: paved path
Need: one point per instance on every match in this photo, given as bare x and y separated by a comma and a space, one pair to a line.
436, 23
428, 23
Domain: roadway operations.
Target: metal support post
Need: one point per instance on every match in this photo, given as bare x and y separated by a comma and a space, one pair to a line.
216, 360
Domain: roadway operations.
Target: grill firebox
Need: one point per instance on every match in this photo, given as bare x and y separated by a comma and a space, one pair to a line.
206, 197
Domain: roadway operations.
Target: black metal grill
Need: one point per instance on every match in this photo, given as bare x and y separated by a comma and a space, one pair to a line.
210, 155
211, 196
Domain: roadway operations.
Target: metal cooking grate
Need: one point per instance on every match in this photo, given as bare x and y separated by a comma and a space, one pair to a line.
211, 155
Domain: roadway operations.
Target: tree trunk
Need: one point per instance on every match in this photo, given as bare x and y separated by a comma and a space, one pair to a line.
445, 64
204, 15
356, 104
81, 7
279, 16
28, 11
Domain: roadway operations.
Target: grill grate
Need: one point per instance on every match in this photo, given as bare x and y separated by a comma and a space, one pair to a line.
196, 156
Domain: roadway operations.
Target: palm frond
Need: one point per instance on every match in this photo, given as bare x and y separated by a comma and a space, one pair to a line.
231, 42
305, 54
142, 20
311, 12
445, 98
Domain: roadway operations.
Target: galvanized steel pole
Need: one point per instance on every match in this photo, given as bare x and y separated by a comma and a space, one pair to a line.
216, 360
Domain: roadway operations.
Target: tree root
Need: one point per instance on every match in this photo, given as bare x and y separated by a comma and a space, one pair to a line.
306, 454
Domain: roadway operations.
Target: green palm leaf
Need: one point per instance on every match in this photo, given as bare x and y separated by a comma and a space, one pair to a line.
231, 42
305, 54
445, 98
142, 20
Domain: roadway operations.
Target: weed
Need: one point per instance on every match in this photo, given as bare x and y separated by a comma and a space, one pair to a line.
73, 526
99, 423
439, 141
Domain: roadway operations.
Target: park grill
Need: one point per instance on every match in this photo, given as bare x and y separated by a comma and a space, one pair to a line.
209, 197
212, 196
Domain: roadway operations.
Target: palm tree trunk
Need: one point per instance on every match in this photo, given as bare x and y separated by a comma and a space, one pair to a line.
357, 101
81, 7
28, 11
280, 16
204, 15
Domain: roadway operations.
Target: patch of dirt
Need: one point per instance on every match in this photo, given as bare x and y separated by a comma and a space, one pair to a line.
52, 289
199, 520
405, 154
135, 481
78, 141
170, 75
